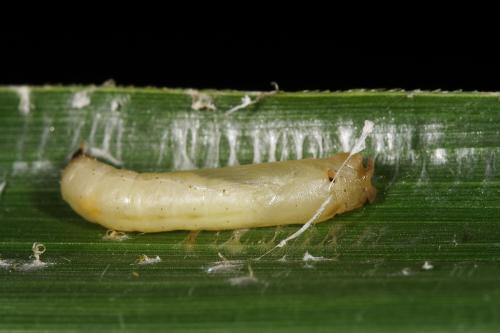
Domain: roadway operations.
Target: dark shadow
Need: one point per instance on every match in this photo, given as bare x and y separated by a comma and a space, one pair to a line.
46, 197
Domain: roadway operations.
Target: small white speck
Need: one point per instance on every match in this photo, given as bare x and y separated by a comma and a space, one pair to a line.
224, 266
432, 133
24, 93
145, 260
427, 266
345, 136
438, 157
80, 99
360, 144
113, 235
41, 166
118, 102
36, 264
309, 257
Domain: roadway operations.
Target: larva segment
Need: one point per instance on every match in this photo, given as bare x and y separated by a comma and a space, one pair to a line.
238, 197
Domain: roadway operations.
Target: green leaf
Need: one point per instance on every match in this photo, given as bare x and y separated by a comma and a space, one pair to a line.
423, 257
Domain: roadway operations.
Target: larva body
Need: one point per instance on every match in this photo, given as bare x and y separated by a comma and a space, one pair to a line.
236, 197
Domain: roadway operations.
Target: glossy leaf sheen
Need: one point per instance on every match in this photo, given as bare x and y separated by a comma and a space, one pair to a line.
436, 169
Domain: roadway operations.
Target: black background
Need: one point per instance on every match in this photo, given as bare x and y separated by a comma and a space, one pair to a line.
246, 64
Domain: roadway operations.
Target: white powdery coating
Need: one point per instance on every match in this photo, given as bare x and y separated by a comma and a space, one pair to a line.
145, 260
224, 266
257, 145
267, 138
189, 138
464, 154
232, 134
361, 142
345, 135
111, 125
80, 99
427, 266
298, 140
432, 133
33, 265
285, 150
36, 264
245, 101
309, 257
93, 130
245, 280
272, 140
41, 166
163, 144
465, 158
439, 157
390, 142
489, 170
20, 167
211, 139
183, 135
315, 148
2, 186
387, 141
24, 93
5, 263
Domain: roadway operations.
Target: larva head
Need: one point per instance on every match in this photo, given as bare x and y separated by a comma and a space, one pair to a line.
352, 182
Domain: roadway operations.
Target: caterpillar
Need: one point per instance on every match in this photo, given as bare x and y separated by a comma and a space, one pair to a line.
245, 196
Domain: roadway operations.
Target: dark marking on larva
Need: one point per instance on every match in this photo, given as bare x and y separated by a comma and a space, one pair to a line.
78, 153
331, 175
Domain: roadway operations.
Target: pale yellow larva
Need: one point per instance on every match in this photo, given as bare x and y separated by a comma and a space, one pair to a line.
245, 196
